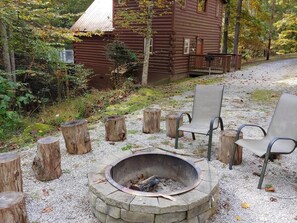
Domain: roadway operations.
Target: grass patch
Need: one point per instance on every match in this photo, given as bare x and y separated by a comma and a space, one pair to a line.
127, 147
265, 96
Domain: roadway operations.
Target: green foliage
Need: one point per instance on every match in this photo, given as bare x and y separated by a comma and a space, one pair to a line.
13, 96
265, 96
127, 147
125, 62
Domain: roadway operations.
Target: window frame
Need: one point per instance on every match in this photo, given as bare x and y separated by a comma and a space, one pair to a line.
187, 45
204, 6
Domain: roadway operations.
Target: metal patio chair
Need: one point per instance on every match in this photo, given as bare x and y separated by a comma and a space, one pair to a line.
205, 114
281, 136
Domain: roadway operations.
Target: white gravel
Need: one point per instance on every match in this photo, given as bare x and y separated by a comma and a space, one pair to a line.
65, 199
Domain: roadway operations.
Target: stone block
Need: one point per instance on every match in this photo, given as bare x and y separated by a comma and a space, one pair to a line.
120, 199
168, 206
193, 220
100, 216
112, 211
101, 206
207, 187
198, 210
145, 204
132, 216
92, 199
170, 217
194, 198
110, 219
101, 189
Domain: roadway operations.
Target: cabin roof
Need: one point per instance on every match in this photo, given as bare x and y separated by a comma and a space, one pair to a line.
98, 17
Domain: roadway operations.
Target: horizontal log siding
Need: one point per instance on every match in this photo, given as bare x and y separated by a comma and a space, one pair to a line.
161, 64
188, 23
91, 53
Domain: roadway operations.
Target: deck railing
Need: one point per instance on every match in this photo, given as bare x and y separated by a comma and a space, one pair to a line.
220, 63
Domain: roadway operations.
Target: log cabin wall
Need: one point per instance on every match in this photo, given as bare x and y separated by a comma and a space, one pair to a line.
196, 26
161, 63
91, 52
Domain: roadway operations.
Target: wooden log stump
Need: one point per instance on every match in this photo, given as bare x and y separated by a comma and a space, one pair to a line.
12, 207
115, 128
226, 143
171, 125
76, 136
151, 120
47, 162
10, 172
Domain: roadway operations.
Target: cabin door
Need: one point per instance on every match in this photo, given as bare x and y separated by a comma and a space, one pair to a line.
199, 51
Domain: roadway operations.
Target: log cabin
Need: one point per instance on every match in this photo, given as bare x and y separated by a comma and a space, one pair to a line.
192, 28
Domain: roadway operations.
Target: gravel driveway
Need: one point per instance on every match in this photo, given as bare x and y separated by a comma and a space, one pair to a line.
65, 199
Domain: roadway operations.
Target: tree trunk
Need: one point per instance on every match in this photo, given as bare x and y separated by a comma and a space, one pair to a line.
270, 30
47, 162
12, 57
226, 143
115, 128
237, 27
226, 27
151, 120
171, 125
5, 47
13, 207
10, 172
76, 136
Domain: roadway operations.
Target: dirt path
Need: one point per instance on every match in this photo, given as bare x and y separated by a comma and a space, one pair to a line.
65, 199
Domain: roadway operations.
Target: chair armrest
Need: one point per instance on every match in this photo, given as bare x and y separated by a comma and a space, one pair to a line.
248, 125
275, 139
181, 114
220, 122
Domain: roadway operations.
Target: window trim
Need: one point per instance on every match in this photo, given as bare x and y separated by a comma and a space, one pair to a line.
187, 44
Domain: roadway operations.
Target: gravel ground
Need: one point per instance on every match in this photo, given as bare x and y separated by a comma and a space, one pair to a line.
65, 199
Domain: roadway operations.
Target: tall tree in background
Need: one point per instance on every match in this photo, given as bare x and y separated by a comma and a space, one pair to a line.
237, 27
270, 29
226, 27
139, 20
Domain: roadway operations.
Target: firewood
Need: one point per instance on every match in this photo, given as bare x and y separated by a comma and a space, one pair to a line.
146, 185
151, 120
10, 172
115, 128
12, 207
47, 162
76, 136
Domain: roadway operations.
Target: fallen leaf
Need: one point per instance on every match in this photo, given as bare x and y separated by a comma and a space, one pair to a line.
47, 210
45, 192
269, 188
256, 174
245, 205
238, 218
273, 199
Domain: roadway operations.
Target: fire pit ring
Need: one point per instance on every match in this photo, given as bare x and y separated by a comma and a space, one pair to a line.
111, 204
153, 164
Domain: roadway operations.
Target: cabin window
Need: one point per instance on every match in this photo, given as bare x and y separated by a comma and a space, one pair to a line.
182, 3
122, 2
218, 8
201, 5
186, 46
151, 45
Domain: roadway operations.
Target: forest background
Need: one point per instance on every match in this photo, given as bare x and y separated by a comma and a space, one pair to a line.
37, 89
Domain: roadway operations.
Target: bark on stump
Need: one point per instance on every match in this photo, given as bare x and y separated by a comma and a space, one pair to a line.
76, 136
115, 128
226, 144
10, 172
171, 125
12, 207
151, 120
47, 162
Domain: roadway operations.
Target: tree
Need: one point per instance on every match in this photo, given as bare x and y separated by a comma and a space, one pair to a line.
226, 27
139, 20
270, 29
237, 27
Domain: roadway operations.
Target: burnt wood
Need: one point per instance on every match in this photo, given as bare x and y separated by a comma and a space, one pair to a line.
146, 185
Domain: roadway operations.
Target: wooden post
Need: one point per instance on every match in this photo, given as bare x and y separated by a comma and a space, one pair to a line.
12, 207
76, 136
151, 120
226, 143
171, 125
47, 162
115, 128
10, 172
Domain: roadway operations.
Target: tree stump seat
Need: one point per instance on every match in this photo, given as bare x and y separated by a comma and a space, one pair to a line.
151, 120
171, 125
115, 128
76, 136
226, 142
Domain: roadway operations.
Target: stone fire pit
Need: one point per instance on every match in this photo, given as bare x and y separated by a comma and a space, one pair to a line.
111, 201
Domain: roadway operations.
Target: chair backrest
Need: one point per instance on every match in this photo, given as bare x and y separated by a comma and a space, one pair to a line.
284, 119
207, 103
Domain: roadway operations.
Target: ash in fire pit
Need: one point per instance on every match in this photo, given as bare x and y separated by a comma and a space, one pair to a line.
155, 184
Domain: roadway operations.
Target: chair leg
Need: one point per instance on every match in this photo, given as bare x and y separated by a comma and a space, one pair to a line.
232, 156
193, 136
263, 170
209, 144
176, 141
